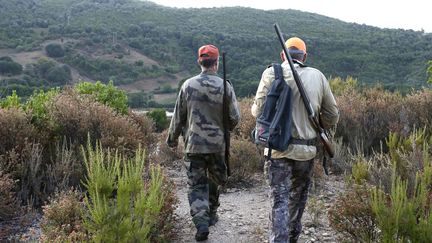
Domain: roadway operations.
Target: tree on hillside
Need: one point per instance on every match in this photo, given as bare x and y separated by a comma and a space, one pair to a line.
6, 59
9, 67
43, 65
59, 75
160, 119
54, 50
429, 71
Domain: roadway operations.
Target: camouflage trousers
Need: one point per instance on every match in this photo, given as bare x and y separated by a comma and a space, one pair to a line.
289, 182
206, 174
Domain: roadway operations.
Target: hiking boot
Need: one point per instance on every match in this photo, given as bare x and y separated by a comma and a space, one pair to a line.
202, 233
213, 219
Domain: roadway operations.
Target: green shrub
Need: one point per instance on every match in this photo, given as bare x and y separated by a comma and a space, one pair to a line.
429, 71
43, 65
6, 59
10, 67
59, 75
38, 104
130, 215
39, 145
360, 171
340, 86
139, 99
160, 119
11, 101
106, 94
54, 50
139, 63
403, 216
401, 201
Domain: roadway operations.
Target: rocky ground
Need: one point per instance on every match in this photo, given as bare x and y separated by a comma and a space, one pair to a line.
243, 214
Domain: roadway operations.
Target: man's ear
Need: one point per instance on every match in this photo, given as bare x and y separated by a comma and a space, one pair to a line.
304, 58
282, 56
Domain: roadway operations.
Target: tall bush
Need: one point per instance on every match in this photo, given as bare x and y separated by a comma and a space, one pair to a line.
402, 216
54, 50
160, 119
38, 104
247, 123
340, 86
122, 206
106, 94
245, 161
369, 115
393, 203
40, 139
10, 67
79, 116
11, 101
352, 215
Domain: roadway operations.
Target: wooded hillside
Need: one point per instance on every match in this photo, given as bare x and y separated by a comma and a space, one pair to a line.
148, 48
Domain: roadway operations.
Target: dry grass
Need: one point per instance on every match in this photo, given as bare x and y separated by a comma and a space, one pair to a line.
62, 219
9, 204
15, 130
368, 116
80, 117
245, 162
247, 123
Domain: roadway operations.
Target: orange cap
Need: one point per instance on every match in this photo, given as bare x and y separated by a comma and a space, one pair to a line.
208, 52
297, 43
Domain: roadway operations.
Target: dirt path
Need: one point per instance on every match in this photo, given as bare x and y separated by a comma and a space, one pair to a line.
243, 214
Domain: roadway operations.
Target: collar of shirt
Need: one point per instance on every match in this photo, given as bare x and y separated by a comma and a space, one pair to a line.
295, 62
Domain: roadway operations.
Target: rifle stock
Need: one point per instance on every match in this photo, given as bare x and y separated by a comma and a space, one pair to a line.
311, 114
225, 116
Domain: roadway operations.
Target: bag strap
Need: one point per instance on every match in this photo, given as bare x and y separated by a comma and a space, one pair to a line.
278, 71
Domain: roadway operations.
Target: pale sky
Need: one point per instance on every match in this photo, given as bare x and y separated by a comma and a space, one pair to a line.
413, 14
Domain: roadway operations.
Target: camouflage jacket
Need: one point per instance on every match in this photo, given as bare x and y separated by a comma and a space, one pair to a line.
198, 114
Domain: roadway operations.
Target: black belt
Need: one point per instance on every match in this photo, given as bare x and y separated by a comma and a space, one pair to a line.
308, 142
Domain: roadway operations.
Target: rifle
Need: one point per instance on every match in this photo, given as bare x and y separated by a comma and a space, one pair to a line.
311, 114
225, 116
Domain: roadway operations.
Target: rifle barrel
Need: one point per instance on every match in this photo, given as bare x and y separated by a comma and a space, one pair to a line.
225, 116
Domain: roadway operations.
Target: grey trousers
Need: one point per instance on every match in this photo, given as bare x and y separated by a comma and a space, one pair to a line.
289, 182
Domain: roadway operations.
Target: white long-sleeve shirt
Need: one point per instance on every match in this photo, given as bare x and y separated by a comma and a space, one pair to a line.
321, 98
